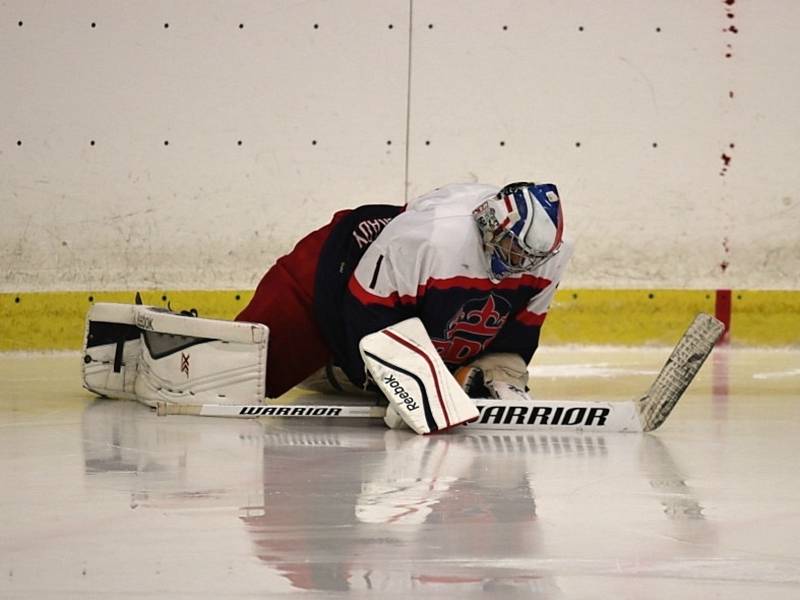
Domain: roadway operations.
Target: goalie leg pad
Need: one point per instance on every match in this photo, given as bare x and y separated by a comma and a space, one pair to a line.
190, 360
406, 367
111, 347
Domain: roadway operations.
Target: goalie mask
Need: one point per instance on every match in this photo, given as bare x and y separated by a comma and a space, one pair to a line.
521, 227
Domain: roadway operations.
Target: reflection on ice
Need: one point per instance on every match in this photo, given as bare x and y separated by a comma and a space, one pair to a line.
181, 463
355, 506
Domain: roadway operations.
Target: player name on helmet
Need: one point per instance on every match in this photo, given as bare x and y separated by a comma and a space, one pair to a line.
291, 411
530, 414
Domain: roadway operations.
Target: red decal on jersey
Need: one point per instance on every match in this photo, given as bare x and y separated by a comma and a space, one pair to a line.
462, 282
482, 283
365, 297
473, 327
527, 317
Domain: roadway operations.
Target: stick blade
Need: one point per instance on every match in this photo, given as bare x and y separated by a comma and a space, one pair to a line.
680, 369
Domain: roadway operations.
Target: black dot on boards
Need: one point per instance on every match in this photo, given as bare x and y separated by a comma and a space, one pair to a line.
19, 142
316, 25
91, 142
502, 143
241, 25
166, 25
239, 143
164, 298
91, 298
20, 23
313, 142
388, 142
391, 26
93, 25
166, 142
238, 297
580, 28
16, 300
430, 25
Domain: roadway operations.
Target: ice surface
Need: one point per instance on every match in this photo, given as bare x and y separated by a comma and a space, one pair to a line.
102, 498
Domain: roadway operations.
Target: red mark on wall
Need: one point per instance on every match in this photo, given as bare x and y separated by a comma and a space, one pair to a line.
731, 28
723, 266
726, 160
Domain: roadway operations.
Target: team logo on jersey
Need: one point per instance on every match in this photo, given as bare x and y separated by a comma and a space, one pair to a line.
472, 328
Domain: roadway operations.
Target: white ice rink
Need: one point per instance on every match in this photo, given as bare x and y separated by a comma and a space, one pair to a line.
103, 499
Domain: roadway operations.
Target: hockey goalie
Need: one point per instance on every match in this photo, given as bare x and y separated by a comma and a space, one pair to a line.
427, 303
430, 305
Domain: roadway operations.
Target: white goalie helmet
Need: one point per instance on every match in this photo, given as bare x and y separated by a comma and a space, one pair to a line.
521, 227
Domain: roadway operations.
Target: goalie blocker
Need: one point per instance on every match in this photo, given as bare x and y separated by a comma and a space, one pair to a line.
421, 391
153, 355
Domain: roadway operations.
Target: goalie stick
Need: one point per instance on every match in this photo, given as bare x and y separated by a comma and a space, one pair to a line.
646, 413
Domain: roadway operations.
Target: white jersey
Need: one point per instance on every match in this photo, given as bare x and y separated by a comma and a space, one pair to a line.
429, 262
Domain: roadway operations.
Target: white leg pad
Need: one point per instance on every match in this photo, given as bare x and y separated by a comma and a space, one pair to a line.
406, 367
189, 360
111, 347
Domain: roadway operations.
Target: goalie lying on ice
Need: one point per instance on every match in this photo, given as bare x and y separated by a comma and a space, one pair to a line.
476, 265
